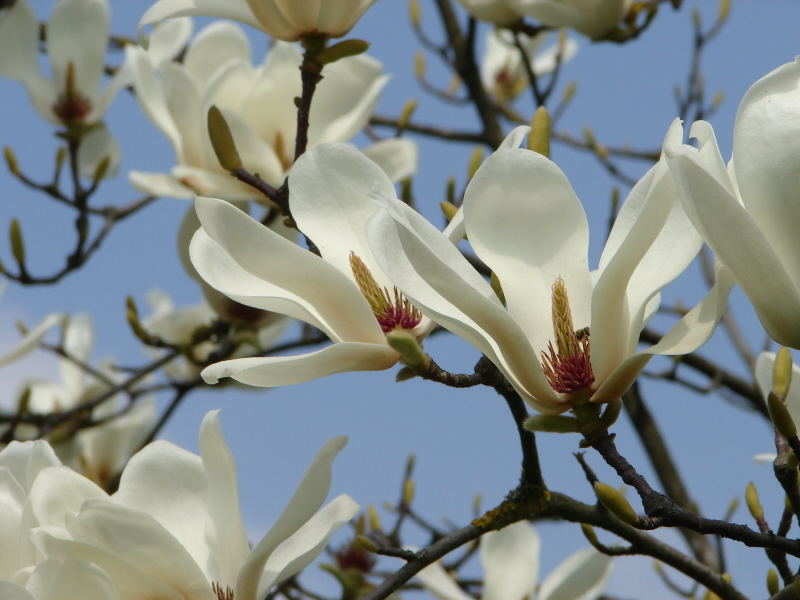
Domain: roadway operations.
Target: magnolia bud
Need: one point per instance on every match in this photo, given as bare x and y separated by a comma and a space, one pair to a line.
16, 241
539, 136
222, 140
552, 424
366, 543
773, 585
723, 10
589, 534
409, 489
374, 519
753, 503
449, 210
340, 50
475, 160
11, 160
419, 65
414, 12
780, 416
614, 501
782, 373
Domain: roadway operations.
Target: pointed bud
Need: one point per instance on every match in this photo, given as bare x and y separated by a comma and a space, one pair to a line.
409, 489
16, 241
411, 462
497, 288
366, 543
360, 524
569, 93
405, 115
773, 585
717, 100
732, 507
406, 345
374, 519
477, 499
132, 316
419, 65
696, 19
222, 141
780, 416
589, 534
475, 160
414, 13
455, 83
614, 501
449, 210
101, 170
11, 161
24, 401
753, 503
723, 10
539, 137
782, 373
552, 424
340, 50
21, 327
61, 156
450, 192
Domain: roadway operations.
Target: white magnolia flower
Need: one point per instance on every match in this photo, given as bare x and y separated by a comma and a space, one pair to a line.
748, 213
501, 12
174, 528
101, 451
258, 104
765, 364
510, 559
524, 221
282, 19
329, 189
31, 339
77, 36
502, 70
593, 18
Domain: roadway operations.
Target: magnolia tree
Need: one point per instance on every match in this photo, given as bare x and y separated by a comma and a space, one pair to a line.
318, 237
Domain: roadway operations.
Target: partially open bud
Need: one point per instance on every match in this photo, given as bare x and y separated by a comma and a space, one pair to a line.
753, 503
222, 141
614, 501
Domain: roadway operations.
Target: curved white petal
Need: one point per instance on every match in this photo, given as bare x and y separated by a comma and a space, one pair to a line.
58, 493
582, 576
510, 559
25, 460
272, 258
525, 222
226, 534
766, 151
307, 543
398, 157
70, 580
272, 371
329, 194
305, 501
31, 340
237, 10
514, 137
168, 39
214, 46
765, 458
95, 146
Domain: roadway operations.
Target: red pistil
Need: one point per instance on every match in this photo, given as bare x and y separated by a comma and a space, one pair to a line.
71, 107
567, 374
398, 314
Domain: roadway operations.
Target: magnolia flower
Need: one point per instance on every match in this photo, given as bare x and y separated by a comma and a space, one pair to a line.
502, 70
748, 213
61, 580
31, 339
282, 19
593, 18
510, 559
73, 97
501, 12
342, 292
174, 529
566, 334
101, 451
258, 105
765, 364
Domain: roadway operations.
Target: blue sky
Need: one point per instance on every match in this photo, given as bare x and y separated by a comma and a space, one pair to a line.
464, 440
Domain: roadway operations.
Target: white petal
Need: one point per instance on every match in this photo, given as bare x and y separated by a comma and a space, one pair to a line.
168, 39
582, 576
25, 460
70, 580
96, 146
436, 580
226, 533
274, 21
765, 458
766, 147
545, 62
87, 51
58, 494
31, 340
307, 543
305, 501
220, 9
510, 559
159, 184
525, 222
272, 371
329, 196
397, 157
514, 138
216, 45
333, 295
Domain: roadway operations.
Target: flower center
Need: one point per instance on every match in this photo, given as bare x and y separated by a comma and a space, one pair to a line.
71, 107
392, 310
226, 594
568, 364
